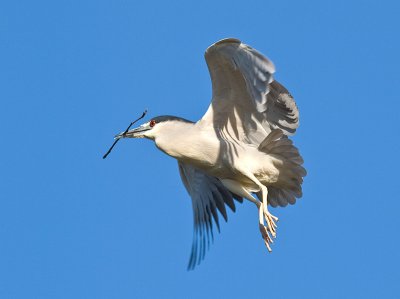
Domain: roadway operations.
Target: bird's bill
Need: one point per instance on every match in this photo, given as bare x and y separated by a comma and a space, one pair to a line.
134, 133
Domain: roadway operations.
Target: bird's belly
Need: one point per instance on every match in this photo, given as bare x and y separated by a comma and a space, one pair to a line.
220, 158
263, 167
249, 160
235, 162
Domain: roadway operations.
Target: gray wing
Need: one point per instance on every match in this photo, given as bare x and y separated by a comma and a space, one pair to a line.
246, 101
208, 195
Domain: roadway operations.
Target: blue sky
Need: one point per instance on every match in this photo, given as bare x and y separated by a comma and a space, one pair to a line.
74, 73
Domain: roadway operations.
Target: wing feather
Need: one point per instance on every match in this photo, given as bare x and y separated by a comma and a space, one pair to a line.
246, 101
208, 195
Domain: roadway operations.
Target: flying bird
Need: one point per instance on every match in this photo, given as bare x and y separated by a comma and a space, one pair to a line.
239, 149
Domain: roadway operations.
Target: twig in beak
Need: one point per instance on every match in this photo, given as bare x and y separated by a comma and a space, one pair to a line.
123, 134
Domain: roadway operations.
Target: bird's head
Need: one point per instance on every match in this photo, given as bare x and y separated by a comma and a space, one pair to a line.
153, 127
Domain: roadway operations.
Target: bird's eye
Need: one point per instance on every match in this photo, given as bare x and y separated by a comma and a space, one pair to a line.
152, 123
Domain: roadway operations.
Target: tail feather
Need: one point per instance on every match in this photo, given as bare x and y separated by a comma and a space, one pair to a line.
288, 186
281, 198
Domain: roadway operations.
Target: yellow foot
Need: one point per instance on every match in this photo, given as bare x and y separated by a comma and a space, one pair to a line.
265, 235
268, 231
270, 221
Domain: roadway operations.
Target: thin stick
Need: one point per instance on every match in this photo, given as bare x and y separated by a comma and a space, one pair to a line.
123, 134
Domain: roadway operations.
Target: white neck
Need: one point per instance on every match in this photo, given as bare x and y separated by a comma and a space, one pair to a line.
186, 142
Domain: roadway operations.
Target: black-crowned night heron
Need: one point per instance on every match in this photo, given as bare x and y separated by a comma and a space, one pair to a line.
239, 147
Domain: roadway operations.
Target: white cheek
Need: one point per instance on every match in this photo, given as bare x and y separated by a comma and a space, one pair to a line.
150, 133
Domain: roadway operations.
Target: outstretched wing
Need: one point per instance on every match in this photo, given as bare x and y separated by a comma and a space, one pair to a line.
246, 101
208, 195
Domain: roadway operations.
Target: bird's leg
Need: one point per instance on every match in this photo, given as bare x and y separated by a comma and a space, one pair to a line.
263, 229
269, 218
266, 231
269, 229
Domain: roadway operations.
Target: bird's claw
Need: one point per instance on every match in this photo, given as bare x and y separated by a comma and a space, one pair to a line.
268, 231
270, 220
271, 225
267, 238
